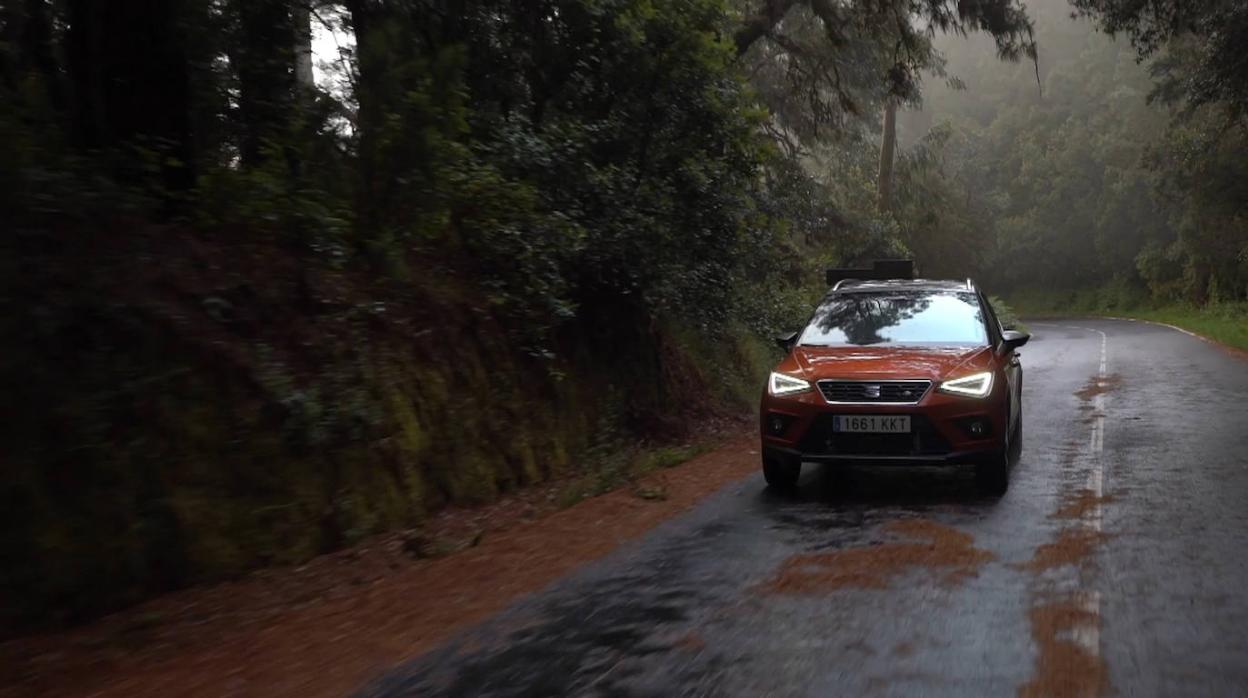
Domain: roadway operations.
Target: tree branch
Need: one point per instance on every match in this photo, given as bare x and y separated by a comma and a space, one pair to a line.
761, 24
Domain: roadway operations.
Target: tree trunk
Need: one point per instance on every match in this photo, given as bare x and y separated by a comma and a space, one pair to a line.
304, 77
265, 64
887, 150
370, 69
761, 23
130, 75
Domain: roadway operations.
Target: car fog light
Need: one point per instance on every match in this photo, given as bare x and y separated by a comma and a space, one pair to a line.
777, 424
976, 427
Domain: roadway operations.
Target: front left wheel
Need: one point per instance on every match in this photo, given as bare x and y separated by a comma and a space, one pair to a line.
993, 473
781, 473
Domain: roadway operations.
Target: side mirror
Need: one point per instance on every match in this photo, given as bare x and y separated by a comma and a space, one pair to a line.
786, 341
1013, 339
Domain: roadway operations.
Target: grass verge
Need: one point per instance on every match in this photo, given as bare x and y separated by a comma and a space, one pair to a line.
628, 468
1226, 323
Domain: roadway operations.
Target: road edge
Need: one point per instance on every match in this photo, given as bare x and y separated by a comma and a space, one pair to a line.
1238, 353
334, 644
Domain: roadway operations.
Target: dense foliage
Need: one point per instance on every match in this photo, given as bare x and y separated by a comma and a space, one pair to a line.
254, 317
1117, 166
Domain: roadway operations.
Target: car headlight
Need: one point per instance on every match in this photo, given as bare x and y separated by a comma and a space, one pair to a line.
784, 384
975, 385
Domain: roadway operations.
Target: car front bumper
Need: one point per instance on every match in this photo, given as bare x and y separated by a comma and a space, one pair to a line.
939, 430
952, 458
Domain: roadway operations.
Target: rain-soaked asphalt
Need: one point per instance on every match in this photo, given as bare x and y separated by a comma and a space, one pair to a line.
1117, 563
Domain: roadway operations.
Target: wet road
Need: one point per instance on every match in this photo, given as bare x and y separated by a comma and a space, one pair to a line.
1117, 563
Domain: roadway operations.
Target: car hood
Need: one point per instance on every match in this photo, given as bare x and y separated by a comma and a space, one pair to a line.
895, 363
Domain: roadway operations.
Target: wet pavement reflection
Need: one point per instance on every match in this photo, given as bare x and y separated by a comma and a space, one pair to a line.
898, 581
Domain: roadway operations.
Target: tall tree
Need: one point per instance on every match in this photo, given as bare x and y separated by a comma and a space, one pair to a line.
130, 76
301, 14
888, 146
264, 60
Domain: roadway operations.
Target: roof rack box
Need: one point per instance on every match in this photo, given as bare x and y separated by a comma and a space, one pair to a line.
881, 270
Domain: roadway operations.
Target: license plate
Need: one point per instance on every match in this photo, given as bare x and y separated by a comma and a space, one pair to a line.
872, 424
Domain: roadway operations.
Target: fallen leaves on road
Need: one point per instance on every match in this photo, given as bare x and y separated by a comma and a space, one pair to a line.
938, 548
1066, 627
1080, 504
1098, 385
1072, 547
1065, 667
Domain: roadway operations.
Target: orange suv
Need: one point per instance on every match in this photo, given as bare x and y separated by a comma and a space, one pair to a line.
895, 370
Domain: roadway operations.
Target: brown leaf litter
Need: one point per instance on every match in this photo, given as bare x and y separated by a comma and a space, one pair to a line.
1072, 547
1064, 667
1098, 385
935, 547
1080, 504
325, 628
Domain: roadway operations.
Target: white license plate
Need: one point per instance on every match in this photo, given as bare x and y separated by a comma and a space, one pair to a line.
872, 424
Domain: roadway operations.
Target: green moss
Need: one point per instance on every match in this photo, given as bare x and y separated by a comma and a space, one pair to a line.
473, 477
665, 457
217, 544
273, 452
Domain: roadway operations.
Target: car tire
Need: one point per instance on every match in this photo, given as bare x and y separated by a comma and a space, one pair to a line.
781, 473
1016, 440
993, 474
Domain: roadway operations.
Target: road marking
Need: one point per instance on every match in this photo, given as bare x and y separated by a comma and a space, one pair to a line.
1083, 629
1161, 324
1096, 475
1088, 635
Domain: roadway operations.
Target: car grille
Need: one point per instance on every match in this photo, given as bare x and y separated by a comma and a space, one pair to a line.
923, 440
868, 391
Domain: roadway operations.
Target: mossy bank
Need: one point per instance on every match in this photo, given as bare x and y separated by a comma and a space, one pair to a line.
222, 411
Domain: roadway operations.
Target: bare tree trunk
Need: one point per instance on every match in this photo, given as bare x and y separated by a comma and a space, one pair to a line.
887, 150
265, 66
302, 16
366, 15
129, 70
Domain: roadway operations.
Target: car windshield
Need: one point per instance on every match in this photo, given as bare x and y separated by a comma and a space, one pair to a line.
897, 317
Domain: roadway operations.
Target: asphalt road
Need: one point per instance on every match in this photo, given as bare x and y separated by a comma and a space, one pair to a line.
1117, 563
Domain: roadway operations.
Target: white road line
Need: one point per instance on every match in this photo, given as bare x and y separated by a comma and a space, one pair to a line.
1160, 324
1088, 635
1096, 439
1096, 475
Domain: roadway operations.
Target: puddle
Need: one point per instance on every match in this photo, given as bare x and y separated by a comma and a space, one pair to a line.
804, 521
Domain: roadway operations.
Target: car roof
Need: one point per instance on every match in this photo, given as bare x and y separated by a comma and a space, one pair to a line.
855, 286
